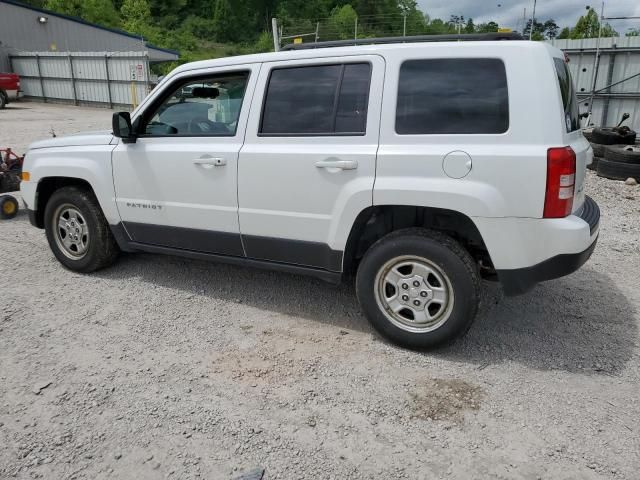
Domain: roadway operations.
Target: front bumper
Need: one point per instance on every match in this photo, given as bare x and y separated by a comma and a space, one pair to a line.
521, 280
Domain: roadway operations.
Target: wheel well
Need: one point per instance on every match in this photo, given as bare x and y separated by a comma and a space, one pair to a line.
375, 222
47, 186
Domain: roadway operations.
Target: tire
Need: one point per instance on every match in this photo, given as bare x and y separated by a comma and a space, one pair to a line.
95, 247
609, 136
588, 134
412, 254
3, 100
598, 149
8, 207
594, 165
623, 154
618, 171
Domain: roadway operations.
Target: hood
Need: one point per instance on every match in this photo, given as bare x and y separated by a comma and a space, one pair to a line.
103, 137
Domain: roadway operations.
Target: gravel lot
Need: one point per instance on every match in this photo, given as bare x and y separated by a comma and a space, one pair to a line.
163, 367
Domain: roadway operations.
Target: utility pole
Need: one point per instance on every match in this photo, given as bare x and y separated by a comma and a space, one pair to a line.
404, 24
524, 20
533, 19
276, 36
355, 35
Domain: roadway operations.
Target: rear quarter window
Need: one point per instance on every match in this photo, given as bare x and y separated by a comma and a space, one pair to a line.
568, 94
452, 96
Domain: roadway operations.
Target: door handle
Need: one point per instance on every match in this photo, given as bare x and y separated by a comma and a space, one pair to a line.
339, 164
210, 162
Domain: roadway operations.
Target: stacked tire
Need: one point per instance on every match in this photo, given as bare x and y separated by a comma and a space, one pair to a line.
620, 162
615, 154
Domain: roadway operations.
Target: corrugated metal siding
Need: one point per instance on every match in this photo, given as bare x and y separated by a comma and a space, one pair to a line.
20, 29
619, 60
82, 77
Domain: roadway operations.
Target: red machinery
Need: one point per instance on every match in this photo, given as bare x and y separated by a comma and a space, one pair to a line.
10, 176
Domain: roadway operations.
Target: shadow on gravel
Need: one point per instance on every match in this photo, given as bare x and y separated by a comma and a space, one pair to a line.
581, 323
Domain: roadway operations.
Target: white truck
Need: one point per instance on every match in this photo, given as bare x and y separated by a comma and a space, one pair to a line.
419, 168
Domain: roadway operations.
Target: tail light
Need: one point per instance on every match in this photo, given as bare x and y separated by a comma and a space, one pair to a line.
561, 179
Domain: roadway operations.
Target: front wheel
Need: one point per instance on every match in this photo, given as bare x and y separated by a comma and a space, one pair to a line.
77, 231
419, 288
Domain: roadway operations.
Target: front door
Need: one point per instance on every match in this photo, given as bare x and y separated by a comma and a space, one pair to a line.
176, 186
307, 167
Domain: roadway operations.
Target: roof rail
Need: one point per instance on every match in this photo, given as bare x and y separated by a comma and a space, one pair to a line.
468, 37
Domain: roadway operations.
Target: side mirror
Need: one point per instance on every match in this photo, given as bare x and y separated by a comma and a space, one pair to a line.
122, 128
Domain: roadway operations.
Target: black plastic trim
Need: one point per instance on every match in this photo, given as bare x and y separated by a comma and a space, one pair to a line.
297, 254
330, 277
521, 280
478, 37
308, 254
33, 218
205, 241
590, 213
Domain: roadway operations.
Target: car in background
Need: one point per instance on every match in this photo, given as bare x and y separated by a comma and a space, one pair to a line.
9, 88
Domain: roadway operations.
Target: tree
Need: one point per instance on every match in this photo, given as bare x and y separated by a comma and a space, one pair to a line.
223, 21
588, 26
541, 31
470, 27
551, 29
564, 33
343, 21
490, 27
633, 32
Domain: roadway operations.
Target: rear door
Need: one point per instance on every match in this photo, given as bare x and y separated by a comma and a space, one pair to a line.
309, 157
573, 134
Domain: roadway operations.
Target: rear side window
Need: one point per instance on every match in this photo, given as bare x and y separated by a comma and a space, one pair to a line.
568, 93
452, 96
317, 100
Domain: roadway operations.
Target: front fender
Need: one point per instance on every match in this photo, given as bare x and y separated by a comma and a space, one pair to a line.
89, 163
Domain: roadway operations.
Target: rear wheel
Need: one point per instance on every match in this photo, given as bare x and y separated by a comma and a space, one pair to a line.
419, 288
77, 231
3, 100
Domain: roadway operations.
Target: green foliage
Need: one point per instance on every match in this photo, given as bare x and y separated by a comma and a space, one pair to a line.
588, 26
202, 29
633, 32
342, 22
96, 11
541, 31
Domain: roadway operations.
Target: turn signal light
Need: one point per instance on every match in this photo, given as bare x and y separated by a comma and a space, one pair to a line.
26, 176
561, 179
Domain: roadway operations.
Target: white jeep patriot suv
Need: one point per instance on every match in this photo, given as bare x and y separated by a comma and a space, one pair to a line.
418, 167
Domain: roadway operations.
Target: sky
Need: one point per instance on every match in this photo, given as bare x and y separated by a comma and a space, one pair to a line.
509, 13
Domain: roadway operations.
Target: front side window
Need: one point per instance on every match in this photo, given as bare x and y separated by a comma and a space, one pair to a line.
200, 107
569, 99
317, 100
452, 96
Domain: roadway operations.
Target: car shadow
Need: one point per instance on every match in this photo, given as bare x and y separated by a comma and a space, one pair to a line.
581, 323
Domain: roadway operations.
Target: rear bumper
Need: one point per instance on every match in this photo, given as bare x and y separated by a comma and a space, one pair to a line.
520, 280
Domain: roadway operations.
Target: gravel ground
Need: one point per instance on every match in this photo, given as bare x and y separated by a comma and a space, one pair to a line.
162, 367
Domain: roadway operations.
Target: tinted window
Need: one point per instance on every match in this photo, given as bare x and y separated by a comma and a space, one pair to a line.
202, 107
452, 96
569, 99
317, 100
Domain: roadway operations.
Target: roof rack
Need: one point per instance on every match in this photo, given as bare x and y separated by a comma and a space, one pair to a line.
467, 37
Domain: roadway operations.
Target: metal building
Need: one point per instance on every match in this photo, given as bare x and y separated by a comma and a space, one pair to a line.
607, 77
63, 58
